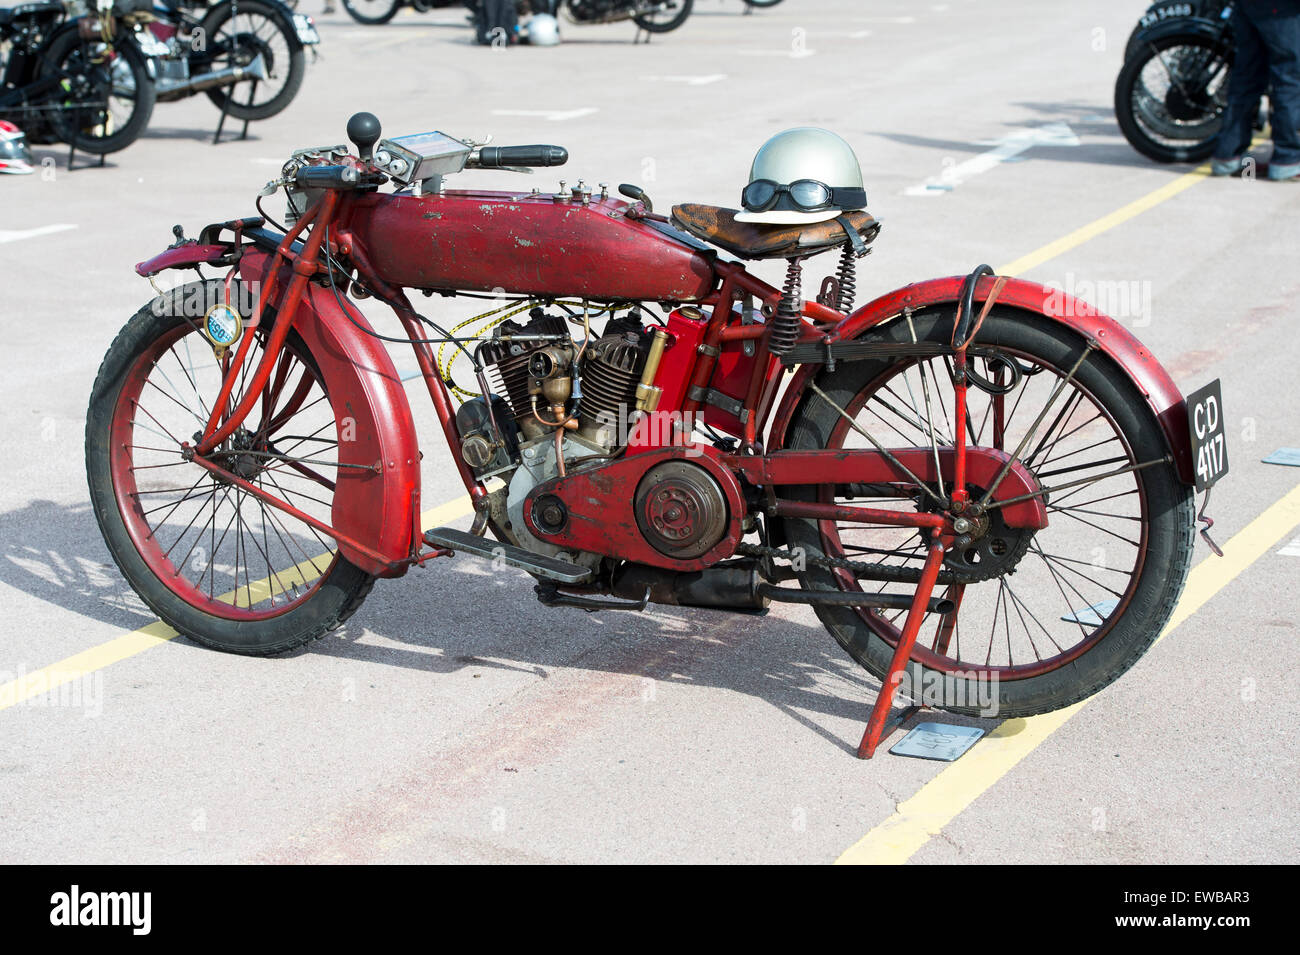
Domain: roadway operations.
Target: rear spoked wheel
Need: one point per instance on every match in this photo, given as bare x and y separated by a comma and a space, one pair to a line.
207, 556
663, 16
1041, 618
1170, 97
372, 12
242, 33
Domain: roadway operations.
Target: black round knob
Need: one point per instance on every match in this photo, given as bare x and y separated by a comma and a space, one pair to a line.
364, 130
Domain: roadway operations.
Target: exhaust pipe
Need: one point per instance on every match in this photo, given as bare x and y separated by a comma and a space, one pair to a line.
737, 585
730, 585
176, 88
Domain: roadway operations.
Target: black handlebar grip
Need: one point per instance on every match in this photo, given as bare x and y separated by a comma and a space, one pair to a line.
492, 157
327, 177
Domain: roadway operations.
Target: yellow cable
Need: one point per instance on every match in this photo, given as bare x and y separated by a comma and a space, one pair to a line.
444, 370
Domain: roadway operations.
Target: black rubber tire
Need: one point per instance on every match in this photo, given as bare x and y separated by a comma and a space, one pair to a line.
762, 3
297, 65
665, 26
339, 595
1169, 504
62, 121
372, 20
1194, 151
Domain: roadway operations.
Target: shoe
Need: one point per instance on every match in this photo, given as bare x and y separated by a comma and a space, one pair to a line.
1226, 167
1290, 172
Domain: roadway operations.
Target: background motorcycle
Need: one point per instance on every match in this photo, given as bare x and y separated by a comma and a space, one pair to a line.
1173, 87
374, 12
74, 80
653, 16
247, 56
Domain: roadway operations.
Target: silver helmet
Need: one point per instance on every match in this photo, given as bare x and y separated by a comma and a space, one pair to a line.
543, 30
802, 175
15, 154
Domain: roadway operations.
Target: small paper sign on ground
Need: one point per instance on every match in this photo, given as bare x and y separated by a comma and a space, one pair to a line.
1092, 616
1288, 456
942, 741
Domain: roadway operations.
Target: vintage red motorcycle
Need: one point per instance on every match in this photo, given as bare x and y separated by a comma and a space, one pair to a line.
975, 481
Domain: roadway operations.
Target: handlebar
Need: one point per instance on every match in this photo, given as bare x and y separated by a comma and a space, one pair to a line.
494, 157
327, 177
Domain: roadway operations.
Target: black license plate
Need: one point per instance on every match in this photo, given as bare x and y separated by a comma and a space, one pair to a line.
1208, 427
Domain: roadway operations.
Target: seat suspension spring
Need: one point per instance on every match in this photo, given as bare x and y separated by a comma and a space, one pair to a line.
787, 321
847, 279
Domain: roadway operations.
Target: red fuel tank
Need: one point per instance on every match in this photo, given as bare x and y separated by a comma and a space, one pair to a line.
526, 244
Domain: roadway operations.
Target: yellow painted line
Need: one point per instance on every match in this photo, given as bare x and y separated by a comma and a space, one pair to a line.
940, 800
1110, 220
77, 666
1106, 222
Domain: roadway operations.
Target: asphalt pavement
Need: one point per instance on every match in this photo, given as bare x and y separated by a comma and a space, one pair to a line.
454, 719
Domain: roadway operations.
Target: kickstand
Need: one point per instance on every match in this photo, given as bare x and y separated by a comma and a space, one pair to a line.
880, 725
225, 111
72, 142
894, 721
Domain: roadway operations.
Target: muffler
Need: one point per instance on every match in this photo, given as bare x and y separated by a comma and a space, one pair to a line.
170, 88
730, 585
737, 585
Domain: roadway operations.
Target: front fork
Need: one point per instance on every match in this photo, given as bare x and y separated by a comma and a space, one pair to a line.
224, 421
221, 425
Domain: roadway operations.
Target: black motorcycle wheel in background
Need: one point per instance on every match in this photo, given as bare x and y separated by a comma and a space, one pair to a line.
761, 3
1169, 98
1159, 13
662, 16
372, 12
106, 98
238, 32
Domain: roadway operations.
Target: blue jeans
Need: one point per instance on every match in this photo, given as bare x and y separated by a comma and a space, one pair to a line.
1268, 52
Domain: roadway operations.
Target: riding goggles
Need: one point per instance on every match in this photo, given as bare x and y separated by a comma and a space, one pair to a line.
802, 195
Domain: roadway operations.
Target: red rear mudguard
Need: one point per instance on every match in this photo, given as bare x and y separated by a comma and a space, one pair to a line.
1113, 340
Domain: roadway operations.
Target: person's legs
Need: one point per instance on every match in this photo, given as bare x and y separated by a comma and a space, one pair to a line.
1246, 84
1279, 31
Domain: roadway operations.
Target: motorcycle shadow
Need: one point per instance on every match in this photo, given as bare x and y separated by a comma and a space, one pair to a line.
1088, 122
55, 157
230, 134
461, 615
54, 552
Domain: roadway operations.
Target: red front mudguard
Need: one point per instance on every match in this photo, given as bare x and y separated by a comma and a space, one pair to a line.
378, 508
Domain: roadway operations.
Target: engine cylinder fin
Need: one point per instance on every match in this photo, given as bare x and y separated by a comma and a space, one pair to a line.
610, 375
507, 363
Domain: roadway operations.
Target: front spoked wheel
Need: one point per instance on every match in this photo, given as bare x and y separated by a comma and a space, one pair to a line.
207, 556
1039, 619
105, 97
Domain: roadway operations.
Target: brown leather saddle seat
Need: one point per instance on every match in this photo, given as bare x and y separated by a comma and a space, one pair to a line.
751, 240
